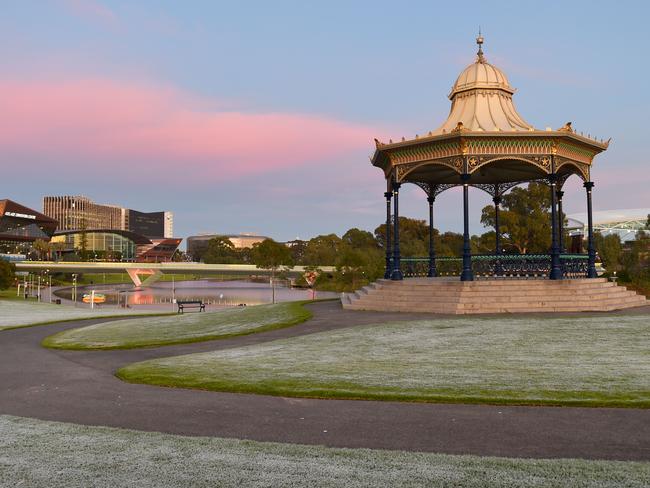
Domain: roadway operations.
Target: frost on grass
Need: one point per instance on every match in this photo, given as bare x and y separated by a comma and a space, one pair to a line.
43, 454
16, 313
544, 360
177, 329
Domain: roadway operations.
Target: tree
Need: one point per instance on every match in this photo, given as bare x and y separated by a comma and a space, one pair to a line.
273, 256
413, 237
298, 248
609, 249
525, 222
42, 248
220, 251
360, 239
7, 274
449, 244
323, 250
351, 267
58, 248
483, 244
636, 261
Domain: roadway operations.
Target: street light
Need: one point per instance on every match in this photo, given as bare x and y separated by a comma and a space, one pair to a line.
74, 288
48, 278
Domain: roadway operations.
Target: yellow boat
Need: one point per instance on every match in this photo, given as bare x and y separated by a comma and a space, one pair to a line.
99, 298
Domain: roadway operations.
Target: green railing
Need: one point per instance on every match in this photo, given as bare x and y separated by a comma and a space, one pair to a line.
503, 265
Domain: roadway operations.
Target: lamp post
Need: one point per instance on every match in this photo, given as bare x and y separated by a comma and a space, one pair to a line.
48, 282
74, 288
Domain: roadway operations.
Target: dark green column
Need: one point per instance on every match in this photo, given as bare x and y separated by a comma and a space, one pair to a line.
396, 274
387, 273
432, 249
591, 250
556, 271
467, 274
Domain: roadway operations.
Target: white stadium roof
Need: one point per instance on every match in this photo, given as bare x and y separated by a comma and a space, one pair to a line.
624, 222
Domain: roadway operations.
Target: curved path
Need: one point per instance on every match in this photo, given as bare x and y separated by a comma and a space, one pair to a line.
79, 386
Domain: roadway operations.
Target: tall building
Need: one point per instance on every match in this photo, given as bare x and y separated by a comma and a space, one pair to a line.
81, 213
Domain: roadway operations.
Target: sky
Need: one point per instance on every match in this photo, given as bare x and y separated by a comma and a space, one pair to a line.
260, 116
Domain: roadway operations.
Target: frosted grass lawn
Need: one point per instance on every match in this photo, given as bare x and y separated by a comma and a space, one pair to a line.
180, 328
590, 361
42, 454
17, 313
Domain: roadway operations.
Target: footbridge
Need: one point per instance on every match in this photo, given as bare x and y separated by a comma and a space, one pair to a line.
152, 271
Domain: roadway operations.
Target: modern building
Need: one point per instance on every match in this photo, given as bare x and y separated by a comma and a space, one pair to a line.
197, 245
81, 213
624, 222
20, 226
154, 225
116, 245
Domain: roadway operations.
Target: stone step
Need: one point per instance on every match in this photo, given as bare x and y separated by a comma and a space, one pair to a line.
488, 291
600, 304
502, 309
494, 296
420, 309
594, 293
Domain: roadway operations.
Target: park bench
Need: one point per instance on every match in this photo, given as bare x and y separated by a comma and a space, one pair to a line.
183, 304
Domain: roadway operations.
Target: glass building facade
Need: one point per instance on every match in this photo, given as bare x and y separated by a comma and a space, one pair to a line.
116, 245
104, 245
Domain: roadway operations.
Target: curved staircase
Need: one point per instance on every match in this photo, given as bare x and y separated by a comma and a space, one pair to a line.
450, 296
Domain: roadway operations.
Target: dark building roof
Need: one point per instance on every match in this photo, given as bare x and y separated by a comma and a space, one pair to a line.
13, 209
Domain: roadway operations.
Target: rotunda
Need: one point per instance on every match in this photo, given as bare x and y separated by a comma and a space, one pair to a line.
485, 143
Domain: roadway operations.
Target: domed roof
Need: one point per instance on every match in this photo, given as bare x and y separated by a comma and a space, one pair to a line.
481, 74
481, 100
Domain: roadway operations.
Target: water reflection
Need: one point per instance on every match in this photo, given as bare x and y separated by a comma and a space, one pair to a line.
213, 293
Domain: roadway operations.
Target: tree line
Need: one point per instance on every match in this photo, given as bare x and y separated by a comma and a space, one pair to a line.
359, 255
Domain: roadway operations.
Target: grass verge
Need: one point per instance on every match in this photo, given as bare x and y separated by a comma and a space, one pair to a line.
15, 314
181, 329
572, 361
107, 457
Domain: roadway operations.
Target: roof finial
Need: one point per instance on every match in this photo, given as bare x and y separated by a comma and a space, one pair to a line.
479, 41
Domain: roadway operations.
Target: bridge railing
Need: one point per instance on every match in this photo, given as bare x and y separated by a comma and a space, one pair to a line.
502, 266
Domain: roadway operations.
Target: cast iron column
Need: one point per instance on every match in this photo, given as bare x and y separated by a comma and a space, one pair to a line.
498, 268
556, 272
591, 269
560, 219
467, 274
432, 250
389, 269
497, 202
396, 274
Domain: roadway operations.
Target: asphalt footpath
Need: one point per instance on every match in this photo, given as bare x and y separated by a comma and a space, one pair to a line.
80, 387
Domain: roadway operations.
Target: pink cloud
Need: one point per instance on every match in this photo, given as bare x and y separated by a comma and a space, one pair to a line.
106, 126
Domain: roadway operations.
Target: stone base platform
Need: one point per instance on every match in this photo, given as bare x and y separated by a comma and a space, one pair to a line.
444, 295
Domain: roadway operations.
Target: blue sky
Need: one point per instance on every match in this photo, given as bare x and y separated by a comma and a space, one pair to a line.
259, 116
